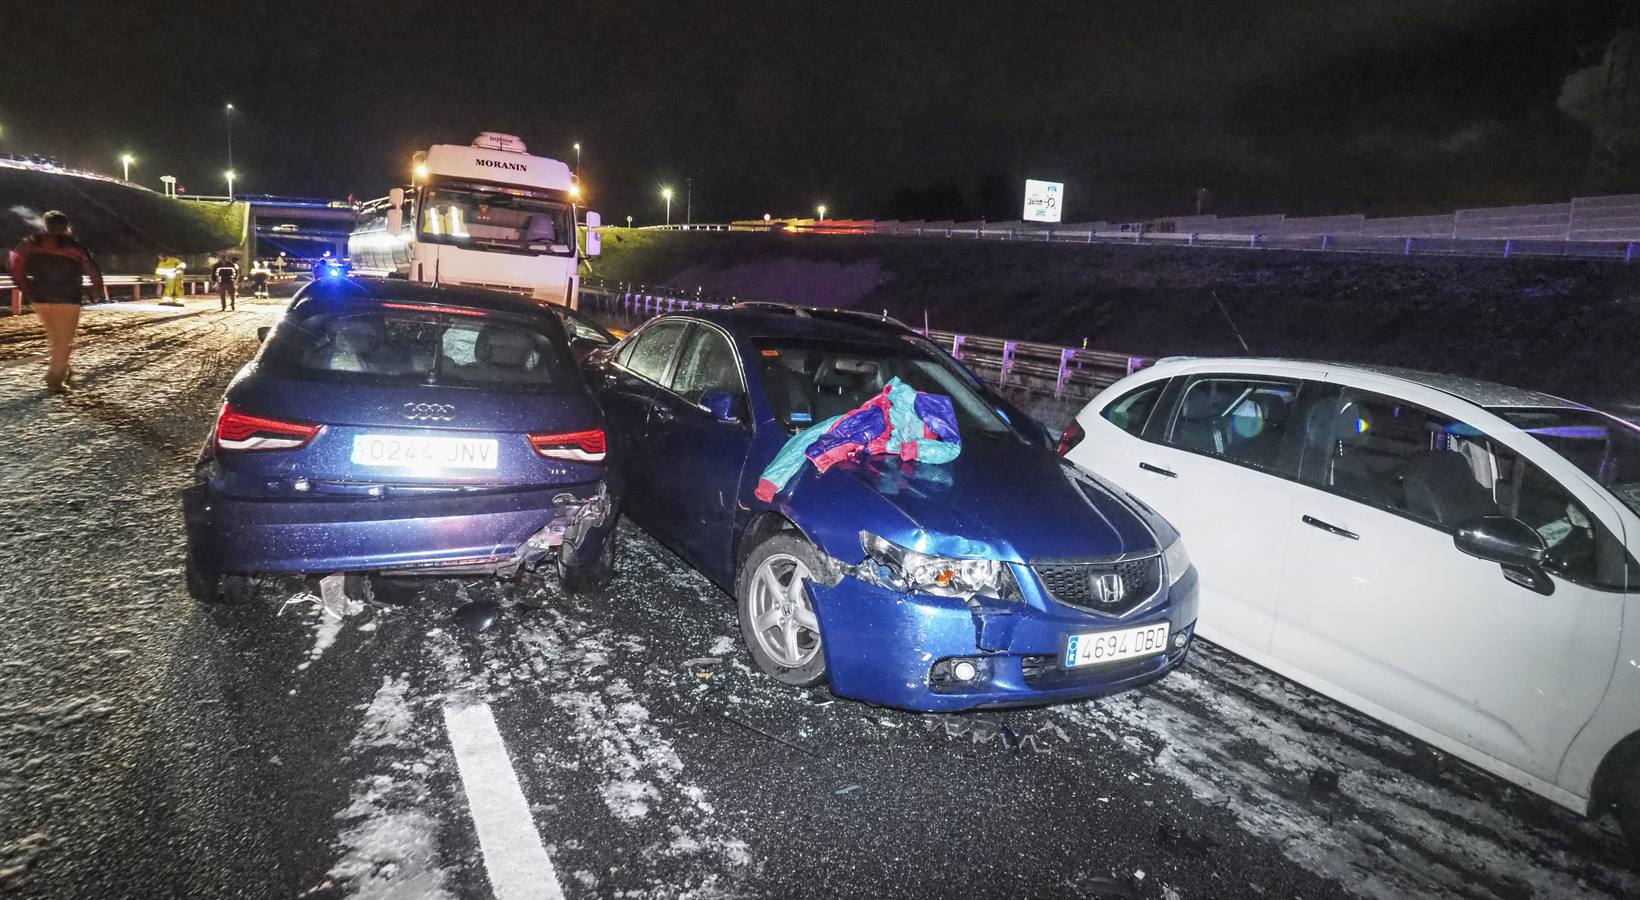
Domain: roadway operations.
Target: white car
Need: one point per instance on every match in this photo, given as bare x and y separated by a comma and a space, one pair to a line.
1452, 557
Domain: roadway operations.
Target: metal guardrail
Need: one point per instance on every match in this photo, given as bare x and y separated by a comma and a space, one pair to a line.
1067, 373
137, 285
690, 227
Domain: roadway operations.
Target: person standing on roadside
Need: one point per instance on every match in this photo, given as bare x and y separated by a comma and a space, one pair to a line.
227, 283
47, 267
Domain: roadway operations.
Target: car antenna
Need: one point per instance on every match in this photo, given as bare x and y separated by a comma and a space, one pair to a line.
1233, 329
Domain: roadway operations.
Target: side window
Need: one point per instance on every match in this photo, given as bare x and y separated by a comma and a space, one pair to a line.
1130, 411
653, 351
1443, 472
1244, 419
708, 363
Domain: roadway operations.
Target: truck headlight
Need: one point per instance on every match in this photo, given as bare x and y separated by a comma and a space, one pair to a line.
904, 569
1176, 561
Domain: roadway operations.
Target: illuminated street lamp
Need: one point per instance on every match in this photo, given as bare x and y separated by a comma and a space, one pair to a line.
667, 193
577, 157
126, 160
227, 113
821, 209
629, 221
230, 176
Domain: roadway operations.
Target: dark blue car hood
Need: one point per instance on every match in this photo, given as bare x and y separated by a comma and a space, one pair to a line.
999, 498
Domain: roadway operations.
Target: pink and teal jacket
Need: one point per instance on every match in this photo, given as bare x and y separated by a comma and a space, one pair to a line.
900, 421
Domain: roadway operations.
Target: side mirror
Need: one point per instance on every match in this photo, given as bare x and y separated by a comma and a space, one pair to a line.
395, 198
262, 332
723, 405
595, 241
1501, 539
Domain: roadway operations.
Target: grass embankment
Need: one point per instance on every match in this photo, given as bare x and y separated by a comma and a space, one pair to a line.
125, 227
1570, 327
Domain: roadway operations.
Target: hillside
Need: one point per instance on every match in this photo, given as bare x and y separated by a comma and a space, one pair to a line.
1570, 327
125, 227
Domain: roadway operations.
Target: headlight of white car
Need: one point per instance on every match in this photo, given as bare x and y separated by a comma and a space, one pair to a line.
1176, 560
903, 569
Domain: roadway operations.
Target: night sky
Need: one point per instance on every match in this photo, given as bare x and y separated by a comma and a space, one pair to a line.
880, 109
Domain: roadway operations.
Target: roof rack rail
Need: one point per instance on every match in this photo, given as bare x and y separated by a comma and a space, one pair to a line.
817, 312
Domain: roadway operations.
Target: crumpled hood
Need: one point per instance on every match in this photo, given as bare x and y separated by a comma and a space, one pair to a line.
1000, 498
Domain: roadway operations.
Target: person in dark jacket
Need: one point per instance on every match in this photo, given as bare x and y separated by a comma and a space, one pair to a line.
47, 267
227, 283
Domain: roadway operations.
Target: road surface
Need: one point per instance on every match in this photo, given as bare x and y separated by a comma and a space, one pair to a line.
617, 744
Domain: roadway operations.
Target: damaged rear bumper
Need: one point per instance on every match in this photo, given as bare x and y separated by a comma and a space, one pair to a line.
480, 533
882, 646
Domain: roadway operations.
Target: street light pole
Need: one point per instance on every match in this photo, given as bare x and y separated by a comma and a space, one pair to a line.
689, 201
577, 157
126, 160
821, 209
667, 193
230, 176
228, 114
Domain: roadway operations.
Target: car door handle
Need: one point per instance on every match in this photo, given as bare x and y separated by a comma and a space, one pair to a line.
1330, 528
1158, 470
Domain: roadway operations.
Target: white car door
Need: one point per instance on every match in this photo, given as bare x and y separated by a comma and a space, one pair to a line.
1384, 612
1217, 463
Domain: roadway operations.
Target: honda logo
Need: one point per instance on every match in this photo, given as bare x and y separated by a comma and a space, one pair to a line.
1108, 588
429, 412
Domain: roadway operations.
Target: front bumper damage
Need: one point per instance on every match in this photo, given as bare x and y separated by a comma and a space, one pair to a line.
887, 647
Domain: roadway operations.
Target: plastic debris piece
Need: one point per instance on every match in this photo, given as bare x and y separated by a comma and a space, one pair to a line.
334, 595
773, 737
704, 667
478, 615
844, 792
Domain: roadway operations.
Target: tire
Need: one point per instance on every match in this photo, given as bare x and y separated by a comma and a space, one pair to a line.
777, 621
206, 586
1626, 794
589, 579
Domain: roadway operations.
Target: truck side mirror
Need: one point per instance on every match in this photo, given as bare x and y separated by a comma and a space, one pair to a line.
395, 211
595, 241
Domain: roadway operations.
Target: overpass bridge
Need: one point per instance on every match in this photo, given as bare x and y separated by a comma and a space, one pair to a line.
300, 227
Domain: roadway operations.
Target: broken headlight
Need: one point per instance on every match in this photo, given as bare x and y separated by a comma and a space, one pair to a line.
902, 569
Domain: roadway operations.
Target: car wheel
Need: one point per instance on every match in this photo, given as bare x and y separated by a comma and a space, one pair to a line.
1628, 811
776, 619
578, 579
207, 586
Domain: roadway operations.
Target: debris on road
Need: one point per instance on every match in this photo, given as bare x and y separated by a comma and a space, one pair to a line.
704, 667
771, 736
847, 790
343, 595
983, 731
478, 615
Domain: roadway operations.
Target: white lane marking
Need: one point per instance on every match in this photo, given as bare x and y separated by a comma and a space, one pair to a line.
517, 863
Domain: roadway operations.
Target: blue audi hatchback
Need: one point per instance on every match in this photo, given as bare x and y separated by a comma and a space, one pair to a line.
1005, 577
386, 427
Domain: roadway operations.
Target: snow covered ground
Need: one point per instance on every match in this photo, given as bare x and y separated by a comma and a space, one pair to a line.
151, 747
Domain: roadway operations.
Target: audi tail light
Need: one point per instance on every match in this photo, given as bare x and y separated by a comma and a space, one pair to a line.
580, 446
236, 430
1070, 437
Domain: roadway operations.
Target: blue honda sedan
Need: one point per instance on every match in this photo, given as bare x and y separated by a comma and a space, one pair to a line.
387, 427
1006, 576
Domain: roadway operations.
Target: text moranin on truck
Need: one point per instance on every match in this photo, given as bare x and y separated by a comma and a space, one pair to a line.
487, 215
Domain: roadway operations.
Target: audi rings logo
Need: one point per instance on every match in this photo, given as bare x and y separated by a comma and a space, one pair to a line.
429, 412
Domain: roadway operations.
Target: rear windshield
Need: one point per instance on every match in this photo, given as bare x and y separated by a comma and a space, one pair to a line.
415, 347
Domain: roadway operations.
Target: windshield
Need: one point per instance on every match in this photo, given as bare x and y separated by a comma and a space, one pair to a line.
388, 346
492, 218
809, 380
1604, 447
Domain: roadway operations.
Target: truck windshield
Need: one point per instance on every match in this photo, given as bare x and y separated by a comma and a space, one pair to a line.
1606, 448
497, 220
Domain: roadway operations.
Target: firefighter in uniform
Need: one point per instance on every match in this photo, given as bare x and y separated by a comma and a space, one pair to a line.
170, 271
227, 283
